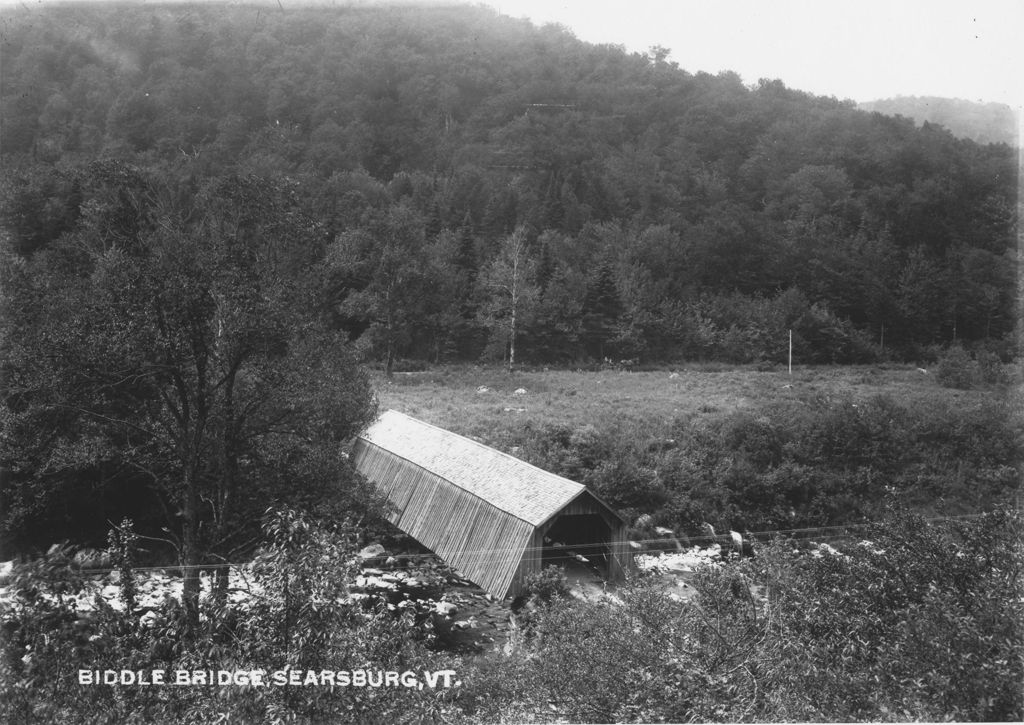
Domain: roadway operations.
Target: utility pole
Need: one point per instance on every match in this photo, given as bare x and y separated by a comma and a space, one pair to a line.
791, 353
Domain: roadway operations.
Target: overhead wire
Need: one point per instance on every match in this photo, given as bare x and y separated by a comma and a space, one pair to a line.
497, 554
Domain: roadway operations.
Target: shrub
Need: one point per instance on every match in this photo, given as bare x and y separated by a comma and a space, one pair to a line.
956, 369
302, 618
990, 368
547, 585
922, 623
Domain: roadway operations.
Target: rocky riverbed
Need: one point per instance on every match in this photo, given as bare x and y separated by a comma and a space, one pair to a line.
464, 617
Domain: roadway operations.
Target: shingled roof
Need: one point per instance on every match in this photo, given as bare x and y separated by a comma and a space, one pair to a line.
476, 507
506, 482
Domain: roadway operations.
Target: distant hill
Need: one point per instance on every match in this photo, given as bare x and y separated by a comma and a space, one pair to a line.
666, 213
981, 122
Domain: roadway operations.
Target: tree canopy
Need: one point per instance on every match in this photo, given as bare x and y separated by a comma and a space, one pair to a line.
172, 344
691, 188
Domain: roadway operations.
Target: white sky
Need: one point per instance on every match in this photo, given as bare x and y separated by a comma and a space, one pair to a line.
858, 49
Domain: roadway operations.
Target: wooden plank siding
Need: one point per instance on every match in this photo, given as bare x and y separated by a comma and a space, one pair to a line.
483, 542
489, 520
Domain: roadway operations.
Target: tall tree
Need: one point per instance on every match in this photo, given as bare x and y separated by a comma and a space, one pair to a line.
383, 278
601, 308
510, 288
173, 336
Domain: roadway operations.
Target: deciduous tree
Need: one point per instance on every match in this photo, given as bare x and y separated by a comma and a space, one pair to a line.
174, 335
511, 292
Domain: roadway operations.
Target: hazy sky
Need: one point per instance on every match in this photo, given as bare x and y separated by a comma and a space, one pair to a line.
859, 49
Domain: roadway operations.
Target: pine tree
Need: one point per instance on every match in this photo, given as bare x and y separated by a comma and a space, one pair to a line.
601, 308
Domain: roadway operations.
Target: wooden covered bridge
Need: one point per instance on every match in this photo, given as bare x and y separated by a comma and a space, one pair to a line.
493, 517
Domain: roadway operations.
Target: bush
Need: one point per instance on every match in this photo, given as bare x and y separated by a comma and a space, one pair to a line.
956, 369
990, 368
923, 623
741, 329
302, 619
547, 585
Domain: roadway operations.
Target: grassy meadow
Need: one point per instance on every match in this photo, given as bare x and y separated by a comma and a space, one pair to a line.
649, 401
740, 446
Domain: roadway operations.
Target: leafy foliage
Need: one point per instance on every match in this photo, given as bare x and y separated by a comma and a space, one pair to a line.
919, 622
172, 342
814, 460
298, 616
720, 216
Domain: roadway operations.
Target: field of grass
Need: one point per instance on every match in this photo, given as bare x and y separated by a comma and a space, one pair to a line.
739, 445
453, 397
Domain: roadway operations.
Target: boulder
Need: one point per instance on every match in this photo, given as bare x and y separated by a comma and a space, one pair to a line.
445, 609
373, 551
91, 559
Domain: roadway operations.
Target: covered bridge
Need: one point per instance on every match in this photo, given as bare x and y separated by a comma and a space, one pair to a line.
490, 515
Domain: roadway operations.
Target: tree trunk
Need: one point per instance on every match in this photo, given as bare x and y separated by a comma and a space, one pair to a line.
389, 328
515, 304
512, 342
229, 465
220, 585
389, 361
190, 551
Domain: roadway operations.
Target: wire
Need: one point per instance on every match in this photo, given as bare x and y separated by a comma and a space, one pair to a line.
499, 554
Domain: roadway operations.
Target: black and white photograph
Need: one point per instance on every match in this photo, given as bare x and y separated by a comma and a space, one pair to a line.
450, 362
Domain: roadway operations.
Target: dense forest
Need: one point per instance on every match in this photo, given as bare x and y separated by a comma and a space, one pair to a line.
483, 187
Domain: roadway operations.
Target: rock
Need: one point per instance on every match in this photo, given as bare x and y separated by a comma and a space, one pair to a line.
445, 609
372, 552
391, 561
483, 389
870, 546
519, 391
823, 549
673, 376
662, 531
6, 570
91, 559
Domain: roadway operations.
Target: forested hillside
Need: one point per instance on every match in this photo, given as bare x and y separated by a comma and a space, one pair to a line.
981, 122
452, 156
